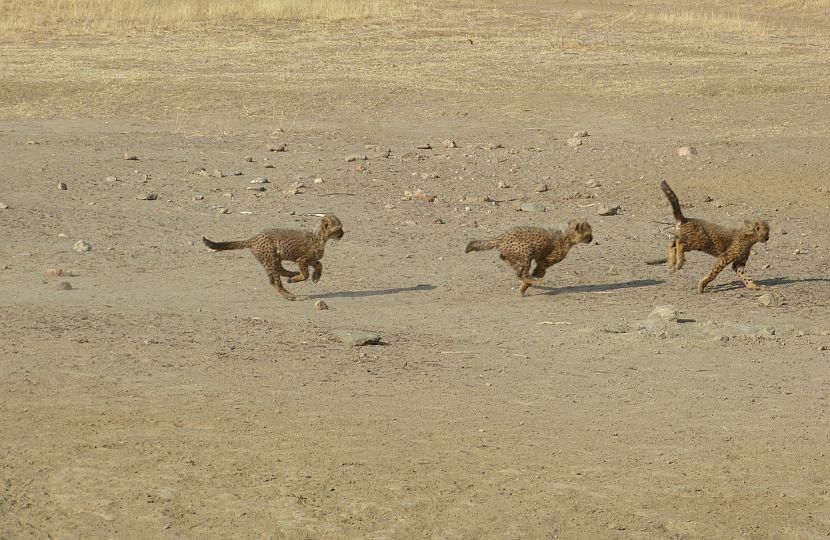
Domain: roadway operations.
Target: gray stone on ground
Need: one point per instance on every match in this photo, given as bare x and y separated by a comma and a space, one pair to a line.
260, 180
665, 312
356, 338
533, 207
356, 157
771, 299
574, 142
687, 151
425, 146
64, 286
82, 246
148, 197
608, 210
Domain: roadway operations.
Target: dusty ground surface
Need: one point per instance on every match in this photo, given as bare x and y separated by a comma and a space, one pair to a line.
171, 392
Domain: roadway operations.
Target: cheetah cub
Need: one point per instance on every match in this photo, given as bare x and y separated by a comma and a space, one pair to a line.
522, 245
273, 246
730, 246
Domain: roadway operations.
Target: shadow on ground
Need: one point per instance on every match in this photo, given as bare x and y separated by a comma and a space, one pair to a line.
380, 292
602, 287
768, 282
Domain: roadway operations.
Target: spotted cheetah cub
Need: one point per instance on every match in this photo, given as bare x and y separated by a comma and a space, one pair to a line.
273, 246
730, 246
522, 245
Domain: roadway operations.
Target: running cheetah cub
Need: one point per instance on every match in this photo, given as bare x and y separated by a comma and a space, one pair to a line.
273, 246
730, 246
522, 245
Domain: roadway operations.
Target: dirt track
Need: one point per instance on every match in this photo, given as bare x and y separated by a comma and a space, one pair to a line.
172, 392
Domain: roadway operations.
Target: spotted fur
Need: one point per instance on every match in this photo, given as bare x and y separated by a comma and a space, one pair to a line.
273, 246
728, 245
521, 246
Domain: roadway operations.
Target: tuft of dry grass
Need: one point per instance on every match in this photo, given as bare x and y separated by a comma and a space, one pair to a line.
106, 17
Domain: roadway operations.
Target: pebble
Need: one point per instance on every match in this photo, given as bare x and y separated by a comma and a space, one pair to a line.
110, 179
574, 142
541, 189
148, 197
449, 143
687, 151
356, 157
502, 185
419, 195
4, 206
592, 183
236, 173
248, 159
495, 146
608, 211
770, 299
356, 338
52, 272
269, 165
437, 221
425, 146
318, 180
199, 170
319, 305
198, 197
255, 188
533, 207
665, 312
64, 286
223, 210
130, 157
82, 246
277, 148
217, 174
62, 186
581, 134
260, 180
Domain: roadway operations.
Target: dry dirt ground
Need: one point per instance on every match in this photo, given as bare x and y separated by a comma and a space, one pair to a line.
171, 392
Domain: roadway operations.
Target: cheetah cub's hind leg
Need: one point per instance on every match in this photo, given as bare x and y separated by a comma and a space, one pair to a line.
273, 267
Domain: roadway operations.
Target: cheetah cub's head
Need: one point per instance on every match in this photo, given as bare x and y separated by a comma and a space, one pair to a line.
758, 230
331, 227
580, 231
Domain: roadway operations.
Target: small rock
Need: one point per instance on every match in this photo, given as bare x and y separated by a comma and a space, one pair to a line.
356, 157
269, 165
533, 207
236, 173
110, 179
260, 180
130, 157
608, 211
318, 180
217, 174
360, 167
4, 206
449, 143
255, 188
62, 186
248, 159
771, 299
64, 286
495, 146
319, 305
148, 197
707, 198
823, 348
541, 189
592, 183
82, 246
666, 313
574, 142
799, 251
277, 148
223, 210
687, 151
356, 338
52, 272
502, 185
198, 170
425, 146
419, 195
437, 221
198, 197
581, 134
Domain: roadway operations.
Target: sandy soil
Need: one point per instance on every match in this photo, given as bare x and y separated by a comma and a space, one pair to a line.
171, 392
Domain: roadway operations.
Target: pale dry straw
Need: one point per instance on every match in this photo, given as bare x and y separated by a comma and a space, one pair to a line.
105, 17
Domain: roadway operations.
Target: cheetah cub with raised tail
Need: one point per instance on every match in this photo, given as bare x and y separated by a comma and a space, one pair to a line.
273, 246
730, 246
521, 246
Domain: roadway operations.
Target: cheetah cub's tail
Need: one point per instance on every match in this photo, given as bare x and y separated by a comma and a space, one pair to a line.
221, 246
675, 204
481, 245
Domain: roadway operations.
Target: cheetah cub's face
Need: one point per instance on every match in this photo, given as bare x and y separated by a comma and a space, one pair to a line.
332, 228
580, 231
758, 230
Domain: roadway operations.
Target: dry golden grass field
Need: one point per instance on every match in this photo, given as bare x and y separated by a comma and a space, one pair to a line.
168, 391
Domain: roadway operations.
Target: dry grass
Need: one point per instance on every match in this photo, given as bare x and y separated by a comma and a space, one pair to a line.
704, 22
106, 17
